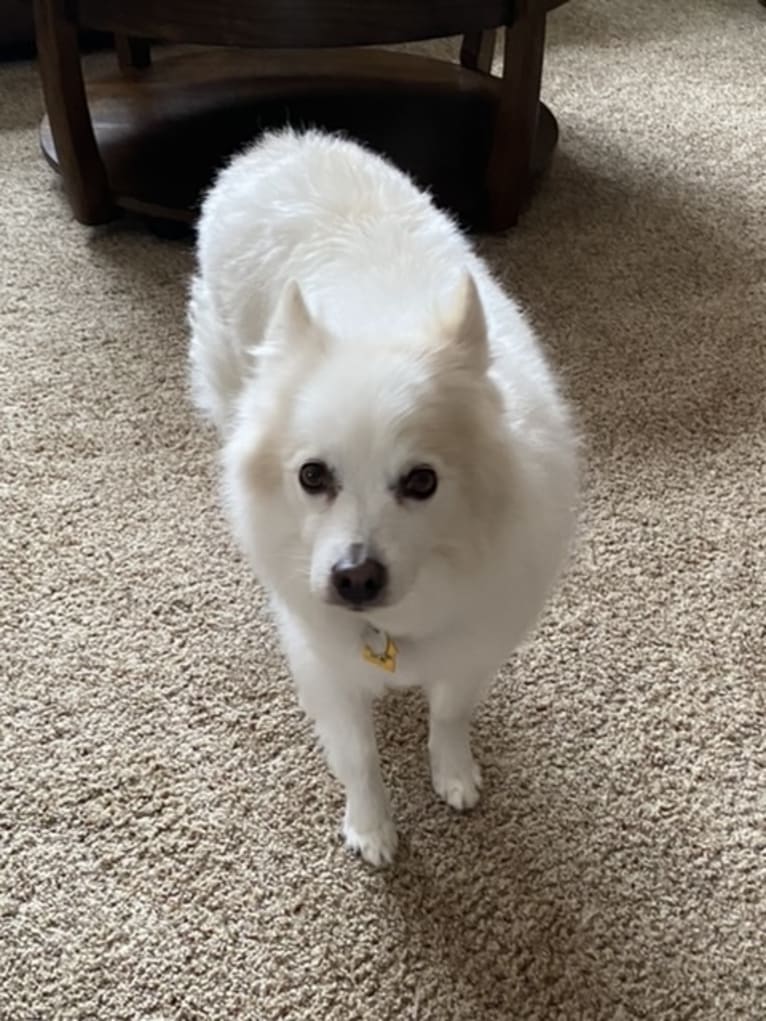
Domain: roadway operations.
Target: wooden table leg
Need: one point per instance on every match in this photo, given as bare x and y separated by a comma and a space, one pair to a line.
79, 161
510, 163
131, 52
478, 50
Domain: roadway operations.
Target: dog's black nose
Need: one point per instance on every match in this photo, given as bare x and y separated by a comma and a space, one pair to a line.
359, 583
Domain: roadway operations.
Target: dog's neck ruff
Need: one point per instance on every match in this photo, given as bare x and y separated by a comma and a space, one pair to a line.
379, 649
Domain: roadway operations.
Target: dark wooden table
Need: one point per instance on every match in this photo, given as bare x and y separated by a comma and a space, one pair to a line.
149, 136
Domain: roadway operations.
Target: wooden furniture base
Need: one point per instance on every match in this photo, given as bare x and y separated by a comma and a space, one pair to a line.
162, 132
150, 136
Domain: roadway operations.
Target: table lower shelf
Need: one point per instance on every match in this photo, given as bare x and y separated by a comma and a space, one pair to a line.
162, 132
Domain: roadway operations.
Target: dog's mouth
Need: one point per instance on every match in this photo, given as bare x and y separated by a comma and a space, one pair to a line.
357, 606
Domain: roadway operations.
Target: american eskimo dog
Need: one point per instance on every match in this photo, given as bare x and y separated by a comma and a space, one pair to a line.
398, 463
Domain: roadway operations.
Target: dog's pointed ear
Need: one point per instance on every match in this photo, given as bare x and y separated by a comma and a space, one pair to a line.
466, 325
291, 315
292, 327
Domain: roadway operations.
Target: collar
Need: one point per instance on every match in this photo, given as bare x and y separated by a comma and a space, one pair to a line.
379, 649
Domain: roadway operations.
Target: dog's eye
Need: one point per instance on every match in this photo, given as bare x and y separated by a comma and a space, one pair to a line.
419, 484
315, 477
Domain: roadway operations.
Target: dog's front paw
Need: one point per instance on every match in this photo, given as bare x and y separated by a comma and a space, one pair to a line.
458, 785
375, 843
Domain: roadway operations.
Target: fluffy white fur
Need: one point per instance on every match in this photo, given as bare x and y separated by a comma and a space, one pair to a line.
338, 316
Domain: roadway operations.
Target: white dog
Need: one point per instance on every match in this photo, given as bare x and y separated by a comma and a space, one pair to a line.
398, 463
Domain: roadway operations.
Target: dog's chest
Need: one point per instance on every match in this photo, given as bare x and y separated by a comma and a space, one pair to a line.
390, 661
387, 660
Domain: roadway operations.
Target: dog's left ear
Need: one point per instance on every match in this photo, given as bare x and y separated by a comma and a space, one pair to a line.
466, 326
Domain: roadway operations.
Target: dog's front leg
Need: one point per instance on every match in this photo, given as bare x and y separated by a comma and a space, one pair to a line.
455, 774
344, 723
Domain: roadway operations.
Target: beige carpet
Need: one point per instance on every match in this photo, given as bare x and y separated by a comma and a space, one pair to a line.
167, 846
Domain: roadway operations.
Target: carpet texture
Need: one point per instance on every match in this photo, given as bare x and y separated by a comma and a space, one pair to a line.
168, 844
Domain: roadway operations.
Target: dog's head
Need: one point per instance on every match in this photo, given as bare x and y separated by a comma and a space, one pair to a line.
366, 475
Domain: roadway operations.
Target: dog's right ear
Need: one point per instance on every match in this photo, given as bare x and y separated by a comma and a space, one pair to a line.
292, 327
291, 312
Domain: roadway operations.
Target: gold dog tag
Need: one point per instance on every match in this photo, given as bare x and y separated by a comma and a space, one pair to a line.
380, 650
